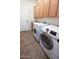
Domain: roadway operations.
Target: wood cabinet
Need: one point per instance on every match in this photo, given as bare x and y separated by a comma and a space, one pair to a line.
41, 9
53, 8
38, 1
36, 14
46, 8
58, 12
38, 10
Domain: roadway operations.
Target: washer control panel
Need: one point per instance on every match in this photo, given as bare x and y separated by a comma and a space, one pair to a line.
53, 33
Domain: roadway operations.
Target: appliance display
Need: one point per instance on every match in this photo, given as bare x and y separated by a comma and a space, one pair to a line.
53, 33
49, 41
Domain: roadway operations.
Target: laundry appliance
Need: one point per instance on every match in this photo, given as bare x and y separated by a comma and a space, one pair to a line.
36, 28
49, 41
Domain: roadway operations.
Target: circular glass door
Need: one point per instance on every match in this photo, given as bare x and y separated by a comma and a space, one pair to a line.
34, 30
46, 41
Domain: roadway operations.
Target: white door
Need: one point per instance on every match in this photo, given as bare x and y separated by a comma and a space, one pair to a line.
25, 15
28, 24
25, 24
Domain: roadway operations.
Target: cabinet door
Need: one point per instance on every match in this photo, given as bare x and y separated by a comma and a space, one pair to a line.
36, 11
41, 9
38, 1
53, 8
46, 8
58, 12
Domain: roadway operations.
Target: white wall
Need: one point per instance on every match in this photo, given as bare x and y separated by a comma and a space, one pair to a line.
53, 21
26, 14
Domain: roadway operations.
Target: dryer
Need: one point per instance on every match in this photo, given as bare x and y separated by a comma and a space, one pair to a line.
49, 41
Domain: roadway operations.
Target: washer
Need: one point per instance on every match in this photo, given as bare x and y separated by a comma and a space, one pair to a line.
36, 29
49, 41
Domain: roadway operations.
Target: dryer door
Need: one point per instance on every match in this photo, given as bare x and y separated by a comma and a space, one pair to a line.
46, 41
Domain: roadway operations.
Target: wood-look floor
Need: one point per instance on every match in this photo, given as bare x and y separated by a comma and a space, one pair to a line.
29, 48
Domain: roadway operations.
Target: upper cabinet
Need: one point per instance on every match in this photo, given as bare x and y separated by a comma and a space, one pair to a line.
53, 8
36, 9
58, 12
46, 8
41, 9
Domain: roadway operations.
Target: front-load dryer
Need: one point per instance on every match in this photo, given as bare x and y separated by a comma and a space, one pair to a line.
49, 41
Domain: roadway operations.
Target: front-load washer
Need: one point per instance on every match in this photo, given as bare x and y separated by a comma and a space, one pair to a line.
53, 31
49, 41
36, 29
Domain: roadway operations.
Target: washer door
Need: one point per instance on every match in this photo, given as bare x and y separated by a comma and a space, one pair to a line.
34, 30
46, 41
